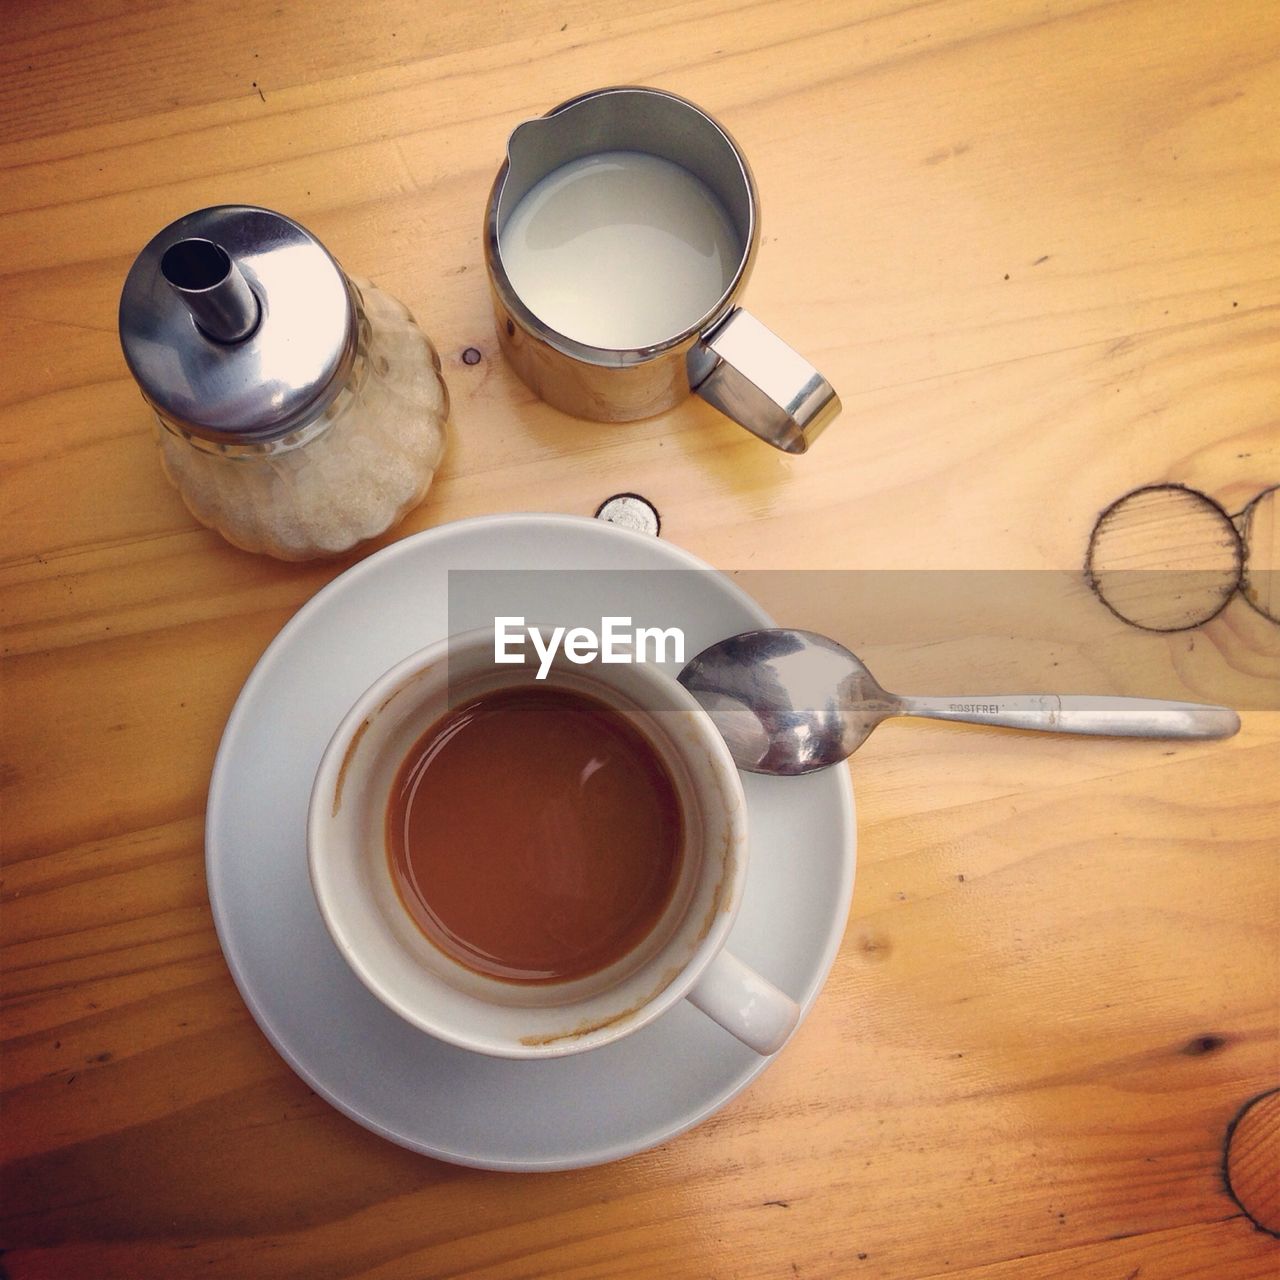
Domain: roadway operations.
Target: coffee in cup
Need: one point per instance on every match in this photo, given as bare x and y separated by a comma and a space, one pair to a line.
535, 835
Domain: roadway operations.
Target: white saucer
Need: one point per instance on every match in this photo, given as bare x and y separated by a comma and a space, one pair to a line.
424, 1094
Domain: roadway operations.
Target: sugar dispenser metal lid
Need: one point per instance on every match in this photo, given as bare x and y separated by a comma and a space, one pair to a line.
238, 324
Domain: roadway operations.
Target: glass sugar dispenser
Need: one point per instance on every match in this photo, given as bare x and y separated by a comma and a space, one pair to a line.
300, 411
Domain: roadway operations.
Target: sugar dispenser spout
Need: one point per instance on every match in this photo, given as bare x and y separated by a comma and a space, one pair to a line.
205, 276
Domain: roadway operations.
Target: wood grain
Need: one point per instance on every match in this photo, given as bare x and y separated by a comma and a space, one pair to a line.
1034, 248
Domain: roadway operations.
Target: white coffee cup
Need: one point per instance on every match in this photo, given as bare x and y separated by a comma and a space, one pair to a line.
683, 956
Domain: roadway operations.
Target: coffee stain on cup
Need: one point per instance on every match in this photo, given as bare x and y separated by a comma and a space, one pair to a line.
591, 1025
347, 757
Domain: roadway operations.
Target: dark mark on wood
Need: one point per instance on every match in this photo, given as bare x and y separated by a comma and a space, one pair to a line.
781, 1204
1260, 576
1200, 1045
946, 153
1044, 257
875, 946
1134, 574
71, 1078
471, 355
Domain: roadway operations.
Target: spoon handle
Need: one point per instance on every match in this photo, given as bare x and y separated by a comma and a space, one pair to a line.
1081, 713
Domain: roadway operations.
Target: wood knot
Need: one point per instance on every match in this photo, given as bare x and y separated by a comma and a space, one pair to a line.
875, 946
1198, 1046
1251, 1165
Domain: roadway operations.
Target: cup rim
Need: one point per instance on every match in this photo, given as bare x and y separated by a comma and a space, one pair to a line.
327, 788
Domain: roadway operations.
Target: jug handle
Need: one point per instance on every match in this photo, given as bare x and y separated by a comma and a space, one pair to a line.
753, 377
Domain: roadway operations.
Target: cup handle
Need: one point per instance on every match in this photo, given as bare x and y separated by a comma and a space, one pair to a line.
745, 1004
751, 375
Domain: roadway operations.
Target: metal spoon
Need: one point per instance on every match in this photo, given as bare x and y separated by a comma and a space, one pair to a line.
791, 702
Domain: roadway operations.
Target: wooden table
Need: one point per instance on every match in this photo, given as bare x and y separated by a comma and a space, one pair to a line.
1034, 246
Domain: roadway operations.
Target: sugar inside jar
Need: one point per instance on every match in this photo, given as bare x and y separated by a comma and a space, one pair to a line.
299, 411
